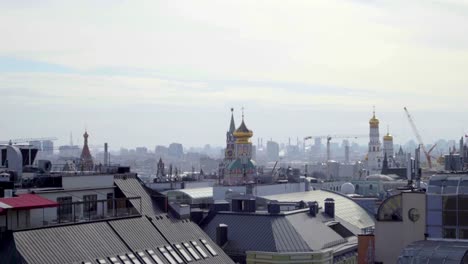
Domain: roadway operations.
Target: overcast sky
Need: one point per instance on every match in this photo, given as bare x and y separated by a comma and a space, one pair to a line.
142, 73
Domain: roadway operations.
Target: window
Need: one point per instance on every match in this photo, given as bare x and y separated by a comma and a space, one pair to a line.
192, 251
463, 234
450, 233
199, 249
371, 187
90, 205
110, 201
133, 258
145, 258
463, 202
174, 255
449, 218
209, 247
114, 260
183, 252
125, 259
167, 255
463, 218
154, 257
449, 203
64, 210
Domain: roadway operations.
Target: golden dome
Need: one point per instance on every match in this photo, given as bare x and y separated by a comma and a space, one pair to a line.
243, 134
388, 137
374, 122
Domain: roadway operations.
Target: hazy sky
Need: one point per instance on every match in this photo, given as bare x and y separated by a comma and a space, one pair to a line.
155, 72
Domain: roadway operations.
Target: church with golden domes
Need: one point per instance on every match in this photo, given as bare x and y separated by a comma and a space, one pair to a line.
238, 167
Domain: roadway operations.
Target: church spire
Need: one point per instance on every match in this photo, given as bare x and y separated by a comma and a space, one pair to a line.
86, 158
232, 126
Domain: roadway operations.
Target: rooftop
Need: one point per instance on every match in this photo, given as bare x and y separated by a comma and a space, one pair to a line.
346, 210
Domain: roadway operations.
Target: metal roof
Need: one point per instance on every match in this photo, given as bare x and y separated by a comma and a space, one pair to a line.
294, 232
132, 187
26, 201
89, 241
345, 208
68, 244
193, 193
443, 252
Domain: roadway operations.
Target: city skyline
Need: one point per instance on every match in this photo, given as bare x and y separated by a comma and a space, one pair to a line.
152, 72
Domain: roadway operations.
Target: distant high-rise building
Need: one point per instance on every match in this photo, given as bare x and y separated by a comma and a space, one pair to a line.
374, 156
176, 150
87, 163
37, 144
161, 150
48, 147
141, 150
272, 151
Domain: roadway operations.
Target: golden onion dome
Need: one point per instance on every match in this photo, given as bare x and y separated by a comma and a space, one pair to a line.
242, 134
388, 137
374, 122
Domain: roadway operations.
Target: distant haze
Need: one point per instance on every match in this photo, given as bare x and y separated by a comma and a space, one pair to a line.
144, 73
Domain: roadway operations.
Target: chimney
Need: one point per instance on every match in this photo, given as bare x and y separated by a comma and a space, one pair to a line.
330, 207
106, 154
274, 207
313, 209
221, 234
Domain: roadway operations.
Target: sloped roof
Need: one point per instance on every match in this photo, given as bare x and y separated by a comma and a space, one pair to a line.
132, 187
26, 201
89, 241
69, 244
296, 232
345, 208
173, 230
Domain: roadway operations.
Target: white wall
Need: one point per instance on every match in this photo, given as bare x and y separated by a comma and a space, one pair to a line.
391, 237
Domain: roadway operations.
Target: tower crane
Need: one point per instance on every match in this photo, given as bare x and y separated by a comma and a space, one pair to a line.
330, 137
427, 153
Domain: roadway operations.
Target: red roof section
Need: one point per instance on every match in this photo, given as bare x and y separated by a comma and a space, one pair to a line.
27, 201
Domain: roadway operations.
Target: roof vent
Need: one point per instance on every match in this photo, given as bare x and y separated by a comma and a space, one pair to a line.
330, 207
221, 234
313, 208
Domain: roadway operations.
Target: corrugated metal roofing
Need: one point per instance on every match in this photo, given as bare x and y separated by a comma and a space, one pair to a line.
345, 208
89, 241
177, 231
173, 230
131, 187
68, 244
138, 233
274, 233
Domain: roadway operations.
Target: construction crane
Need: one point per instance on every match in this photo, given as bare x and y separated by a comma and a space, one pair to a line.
330, 137
26, 140
427, 153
